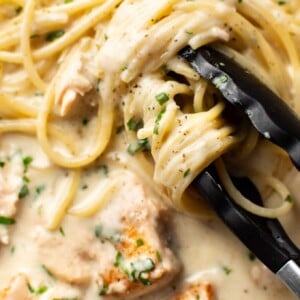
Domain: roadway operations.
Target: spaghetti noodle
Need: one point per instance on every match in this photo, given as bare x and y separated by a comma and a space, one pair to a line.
117, 59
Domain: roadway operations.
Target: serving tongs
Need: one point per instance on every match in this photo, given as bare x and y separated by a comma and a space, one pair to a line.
273, 119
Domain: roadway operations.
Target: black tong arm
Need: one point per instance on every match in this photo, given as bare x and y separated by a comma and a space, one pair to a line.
266, 111
273, 119
266, 238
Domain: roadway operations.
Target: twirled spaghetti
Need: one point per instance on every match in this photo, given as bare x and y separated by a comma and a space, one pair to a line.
184, 139
99, 83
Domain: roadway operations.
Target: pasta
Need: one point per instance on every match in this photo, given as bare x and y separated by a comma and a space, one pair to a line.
99, 81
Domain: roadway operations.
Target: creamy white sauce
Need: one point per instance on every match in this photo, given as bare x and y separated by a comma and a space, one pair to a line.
207, 250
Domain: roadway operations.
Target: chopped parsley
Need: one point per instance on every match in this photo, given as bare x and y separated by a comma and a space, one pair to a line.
39, 189
124, 67
24, 191
47, 271
119, 260
25, 179
135, 270
281, 2
189, 32
162, 98
30, 288
140, 267
186, 172
68, 1
158, 119
53, 35
239, 1
62, 232
158, 256
104, 289
2, 164
39, 291
7, 220
107, 234
226, 270
135, 124
139, 242
143, 280
98, 231
27, 160
84, 187
289, 199
220, 81
139, 145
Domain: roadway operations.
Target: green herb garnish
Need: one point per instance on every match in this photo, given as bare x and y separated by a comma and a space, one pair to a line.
84, 187
39, 291
30, 288
189, 32
226, 270
139, 145
186, 172
26, 162
98, 231
143, 280
103, 290
158, 119
24, 191
158, 256
136, 269
25, 179
139, 242
53, 35
48, 272
124, 67
220, 81
39, 189
162, 98
62, 232
289, 199
135, 124
7, 220
119, 260
2, 164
